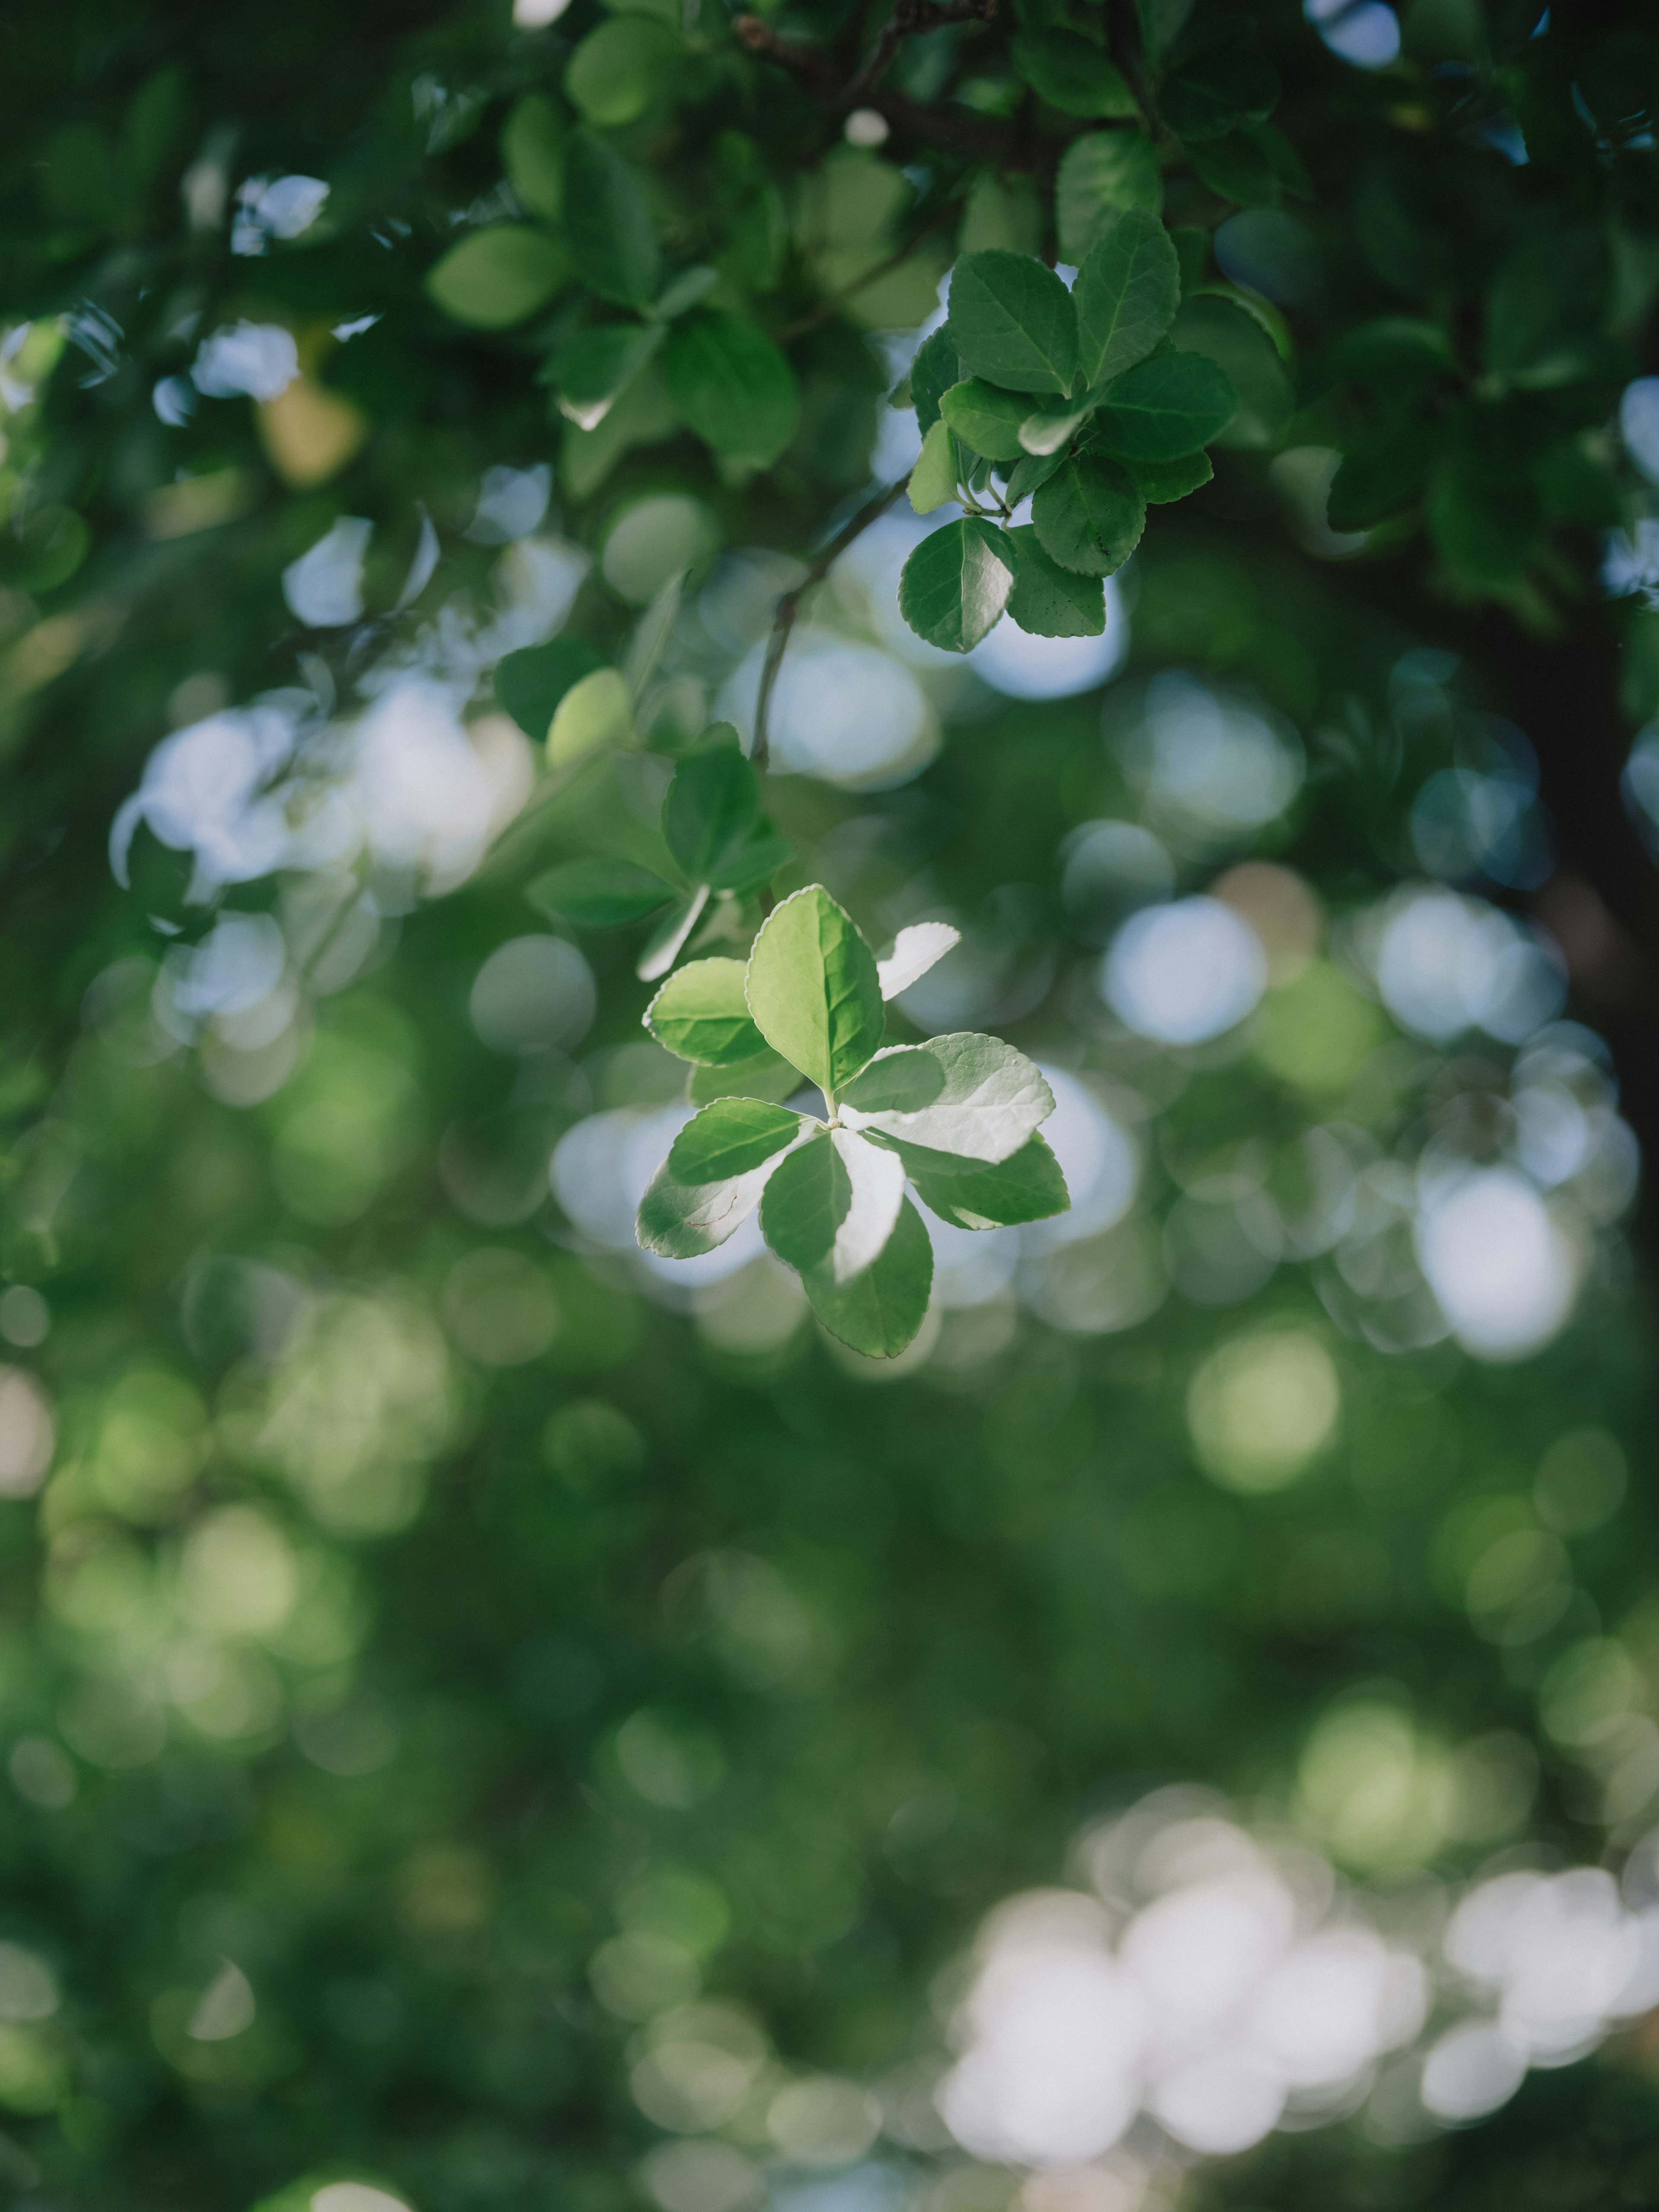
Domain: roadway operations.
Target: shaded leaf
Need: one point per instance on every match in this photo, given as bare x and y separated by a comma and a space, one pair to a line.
1028, 1186
985, 418
608, 223
933, 478
731, 385
766, 1076
710, 808
531, 683
1160, 481
1127, 293
879, 1311
1168, 406
664, 946
598, 894
594, 367
1101, 176
1011, 321
936, 368
831, 1205
1049, 600
1071, 74
1236, 341
1088, 516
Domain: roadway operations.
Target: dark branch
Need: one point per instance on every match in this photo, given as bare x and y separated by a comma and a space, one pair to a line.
959, 130
784, 614
912, 15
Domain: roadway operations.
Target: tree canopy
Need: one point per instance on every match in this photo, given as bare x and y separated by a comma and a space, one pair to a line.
828, 933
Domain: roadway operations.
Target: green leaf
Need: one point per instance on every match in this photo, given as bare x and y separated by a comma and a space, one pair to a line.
1168, 406
533, 153
732, 386
595, 711
598, 894
713, 1178
813, 990
531, 683
1377, 481
1032, 472
1126, 294
933, 478
1028, 1186
1390, 347
956, 584
1240, 167
1216, 91
751, 863
974, 1097
682, 292
766, 1076
1161, 482
878, 1312
711, 806
702, 1014
493, 278
663, 946
619, 68
1071, 74
1088, 516
985, 418
1011, 321
594, 367
1233, 338
1101, 177
915, 949
832, 1205
608, 221
936, 368
1049, 600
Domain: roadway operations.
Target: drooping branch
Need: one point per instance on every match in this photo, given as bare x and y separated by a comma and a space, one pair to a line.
789, 607
959, 129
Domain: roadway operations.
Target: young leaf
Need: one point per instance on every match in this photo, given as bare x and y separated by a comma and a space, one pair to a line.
879, 1311
713, 1178
1168, 406
765, 1076
935, 370
710, 809
1049, 430
1028, 1186
1012, 322
813, 990
831, 1205
531, 683
619, 68
1071, 74
1100, 176
915, 949
985, 418
1050, 601
1088, 515
732, 386
971, 1096
597, 711
954, 586
608, 222
701, 1014
933, 478
1162, 480
493, 278
662, 947
1126, 294
598, 894
593, 368
682, 292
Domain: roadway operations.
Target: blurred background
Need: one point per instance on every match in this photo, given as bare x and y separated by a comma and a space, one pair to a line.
491, 1720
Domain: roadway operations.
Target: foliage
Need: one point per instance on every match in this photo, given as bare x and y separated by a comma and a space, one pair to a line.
495, 1713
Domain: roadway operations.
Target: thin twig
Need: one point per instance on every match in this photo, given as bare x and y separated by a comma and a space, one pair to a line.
788, 606
978, 137
912, 15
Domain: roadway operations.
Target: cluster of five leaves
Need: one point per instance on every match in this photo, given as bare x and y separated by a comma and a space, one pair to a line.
955, 1116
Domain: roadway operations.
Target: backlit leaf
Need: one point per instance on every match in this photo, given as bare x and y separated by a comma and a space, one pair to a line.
1028, 1186
974, 1097
813, 990
701, 1014
531, 683
933, 478
915, 949
879, 1311
832, 1203
713, 1178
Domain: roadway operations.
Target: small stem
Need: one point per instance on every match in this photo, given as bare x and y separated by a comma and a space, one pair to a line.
788, 606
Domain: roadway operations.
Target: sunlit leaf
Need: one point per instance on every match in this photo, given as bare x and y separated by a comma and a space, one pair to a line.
915, 949
971, 1096
879, 1311
813, 989
832, 1205
1028, 1186
701, 1014
713, 1178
